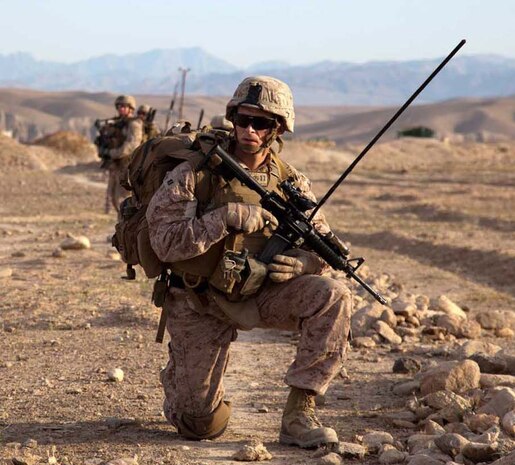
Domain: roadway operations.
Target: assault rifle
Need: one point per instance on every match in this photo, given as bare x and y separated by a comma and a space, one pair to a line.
108, 129
295, 228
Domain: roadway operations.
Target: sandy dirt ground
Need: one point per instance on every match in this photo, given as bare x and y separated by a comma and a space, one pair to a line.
438, 218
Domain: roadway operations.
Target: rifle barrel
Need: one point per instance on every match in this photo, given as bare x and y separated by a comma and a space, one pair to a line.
386, 127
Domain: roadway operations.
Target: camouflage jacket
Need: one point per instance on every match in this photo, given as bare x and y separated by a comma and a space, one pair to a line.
133, 134
177, 233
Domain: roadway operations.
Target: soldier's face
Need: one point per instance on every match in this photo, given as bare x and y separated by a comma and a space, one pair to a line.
248, 138
123, 110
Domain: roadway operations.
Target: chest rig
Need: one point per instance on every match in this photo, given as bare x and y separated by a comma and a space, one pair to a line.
229, 266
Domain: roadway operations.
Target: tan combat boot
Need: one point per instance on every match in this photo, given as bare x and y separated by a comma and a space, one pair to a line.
300, 426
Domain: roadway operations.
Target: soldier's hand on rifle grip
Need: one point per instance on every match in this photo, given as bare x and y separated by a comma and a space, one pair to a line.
294, 263
248, 218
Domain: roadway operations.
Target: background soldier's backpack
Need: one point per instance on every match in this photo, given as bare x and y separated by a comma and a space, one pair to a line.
148, 166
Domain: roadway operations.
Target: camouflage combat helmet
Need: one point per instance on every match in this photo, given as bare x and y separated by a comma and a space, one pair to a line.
143, 108
125, 100
267, 93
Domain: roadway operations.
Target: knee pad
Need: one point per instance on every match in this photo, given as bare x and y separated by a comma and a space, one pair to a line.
207, 427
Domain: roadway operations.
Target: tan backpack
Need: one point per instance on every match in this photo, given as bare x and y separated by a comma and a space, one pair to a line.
148, 166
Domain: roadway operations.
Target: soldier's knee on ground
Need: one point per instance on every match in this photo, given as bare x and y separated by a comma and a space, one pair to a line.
207, 427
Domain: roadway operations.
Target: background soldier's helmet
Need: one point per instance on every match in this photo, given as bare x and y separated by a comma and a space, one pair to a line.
221, 122
143, 109
266, 93
125, 100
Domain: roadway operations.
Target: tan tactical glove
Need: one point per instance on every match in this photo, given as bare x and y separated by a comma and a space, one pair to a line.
248, 218
293, 263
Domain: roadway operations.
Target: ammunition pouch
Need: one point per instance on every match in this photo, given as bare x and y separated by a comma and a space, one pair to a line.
238, 276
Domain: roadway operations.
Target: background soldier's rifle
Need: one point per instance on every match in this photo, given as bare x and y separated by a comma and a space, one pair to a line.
150, 116
295, 228
150, 127
200, 118
109, 137
170, 110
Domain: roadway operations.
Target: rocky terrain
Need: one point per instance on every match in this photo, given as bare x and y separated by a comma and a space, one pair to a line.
429, 379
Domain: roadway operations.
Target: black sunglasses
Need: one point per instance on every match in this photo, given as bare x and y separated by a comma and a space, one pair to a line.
257, 122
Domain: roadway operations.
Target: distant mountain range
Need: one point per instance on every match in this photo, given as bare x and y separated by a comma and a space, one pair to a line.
324, 83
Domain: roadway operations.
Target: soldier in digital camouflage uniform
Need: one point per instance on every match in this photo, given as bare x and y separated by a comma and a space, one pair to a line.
206, 304
131, 135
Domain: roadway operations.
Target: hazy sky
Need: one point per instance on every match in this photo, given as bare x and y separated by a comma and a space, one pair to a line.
245, 32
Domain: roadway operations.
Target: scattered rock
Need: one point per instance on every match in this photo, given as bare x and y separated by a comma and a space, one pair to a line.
479, 452
351, 450
75, 243
402, 419
18, 254
508, 423
253, 451
5, 272
496, 319
389, 317
30, 444
375, 439
406, 388
448, 306
418, 442
403, 307
124, 461
406, 365
58, 253
505, 332
25, 459
450, 443
452, 323
471, 347
364, 318
392, 456
489, 363
506, 460
433, 428
93, 461
116, 375
489, 381
443, 399
330, 459
481, 422
470, 329
387, 333
451, 376
423, 460
500, 404
363, 342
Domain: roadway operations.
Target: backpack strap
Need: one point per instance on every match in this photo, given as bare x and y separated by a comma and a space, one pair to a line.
285, 170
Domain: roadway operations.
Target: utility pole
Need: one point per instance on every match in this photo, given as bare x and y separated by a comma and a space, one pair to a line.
184, 71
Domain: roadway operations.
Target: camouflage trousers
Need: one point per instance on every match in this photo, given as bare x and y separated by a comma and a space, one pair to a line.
318, 307
115, 193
